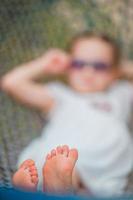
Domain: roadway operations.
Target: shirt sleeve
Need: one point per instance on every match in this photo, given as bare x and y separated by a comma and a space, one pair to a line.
121, 97
125, 91
58, 92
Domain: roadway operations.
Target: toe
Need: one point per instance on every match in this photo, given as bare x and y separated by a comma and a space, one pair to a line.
34, 179
33, 171
59, 150
53, 153
32, 168
65, 150
48, 156
27, 163
73, 153
26, 177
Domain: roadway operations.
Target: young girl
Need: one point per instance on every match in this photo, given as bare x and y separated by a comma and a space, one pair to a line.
91, 113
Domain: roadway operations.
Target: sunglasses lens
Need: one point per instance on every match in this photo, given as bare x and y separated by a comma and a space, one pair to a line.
77, 64
101, 66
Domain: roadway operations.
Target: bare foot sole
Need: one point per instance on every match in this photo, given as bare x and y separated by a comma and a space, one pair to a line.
58, 169
26, 177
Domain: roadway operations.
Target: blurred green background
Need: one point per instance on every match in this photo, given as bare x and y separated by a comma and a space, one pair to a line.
27, 28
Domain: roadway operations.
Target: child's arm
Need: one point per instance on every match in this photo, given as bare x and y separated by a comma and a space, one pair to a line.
20, 82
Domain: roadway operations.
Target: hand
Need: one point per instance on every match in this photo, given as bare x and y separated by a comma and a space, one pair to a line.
127, 69
55, 61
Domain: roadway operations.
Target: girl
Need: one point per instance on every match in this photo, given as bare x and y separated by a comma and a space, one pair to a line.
91, 113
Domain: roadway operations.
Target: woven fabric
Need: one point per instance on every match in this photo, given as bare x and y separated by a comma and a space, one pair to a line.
18, 126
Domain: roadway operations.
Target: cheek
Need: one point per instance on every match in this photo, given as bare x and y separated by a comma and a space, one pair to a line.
75, 73
103, 78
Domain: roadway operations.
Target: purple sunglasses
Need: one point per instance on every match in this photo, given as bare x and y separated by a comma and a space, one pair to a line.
97, 65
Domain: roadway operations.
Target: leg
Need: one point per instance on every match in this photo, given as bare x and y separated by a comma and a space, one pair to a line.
58, 169
78, 185
26, 177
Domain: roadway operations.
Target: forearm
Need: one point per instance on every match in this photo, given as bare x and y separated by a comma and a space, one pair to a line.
54, 61
23, 76
28, 71
20, 84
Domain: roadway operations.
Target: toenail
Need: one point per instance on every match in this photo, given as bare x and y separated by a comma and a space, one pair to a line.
32, 168
34, 171
65, 150
59, 149
65, 146
34, 174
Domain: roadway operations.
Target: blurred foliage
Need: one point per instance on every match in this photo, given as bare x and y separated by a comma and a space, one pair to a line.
28, 28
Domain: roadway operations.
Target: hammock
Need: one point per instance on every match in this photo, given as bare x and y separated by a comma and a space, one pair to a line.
27, 29
18, 126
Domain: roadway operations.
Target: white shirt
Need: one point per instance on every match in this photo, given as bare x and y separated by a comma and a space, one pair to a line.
95, 124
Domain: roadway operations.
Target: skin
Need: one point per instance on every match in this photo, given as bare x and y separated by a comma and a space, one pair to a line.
26, 176
59, 167
57, 172
88, 79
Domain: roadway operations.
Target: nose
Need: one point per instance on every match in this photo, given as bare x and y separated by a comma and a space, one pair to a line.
89, 70
88, 73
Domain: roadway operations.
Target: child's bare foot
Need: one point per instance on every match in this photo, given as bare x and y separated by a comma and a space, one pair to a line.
26, 177
58, 169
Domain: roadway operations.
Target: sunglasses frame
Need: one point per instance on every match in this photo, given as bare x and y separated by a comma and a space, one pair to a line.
97, 65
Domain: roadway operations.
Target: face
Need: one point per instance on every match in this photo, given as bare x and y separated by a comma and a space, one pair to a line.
91, 68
